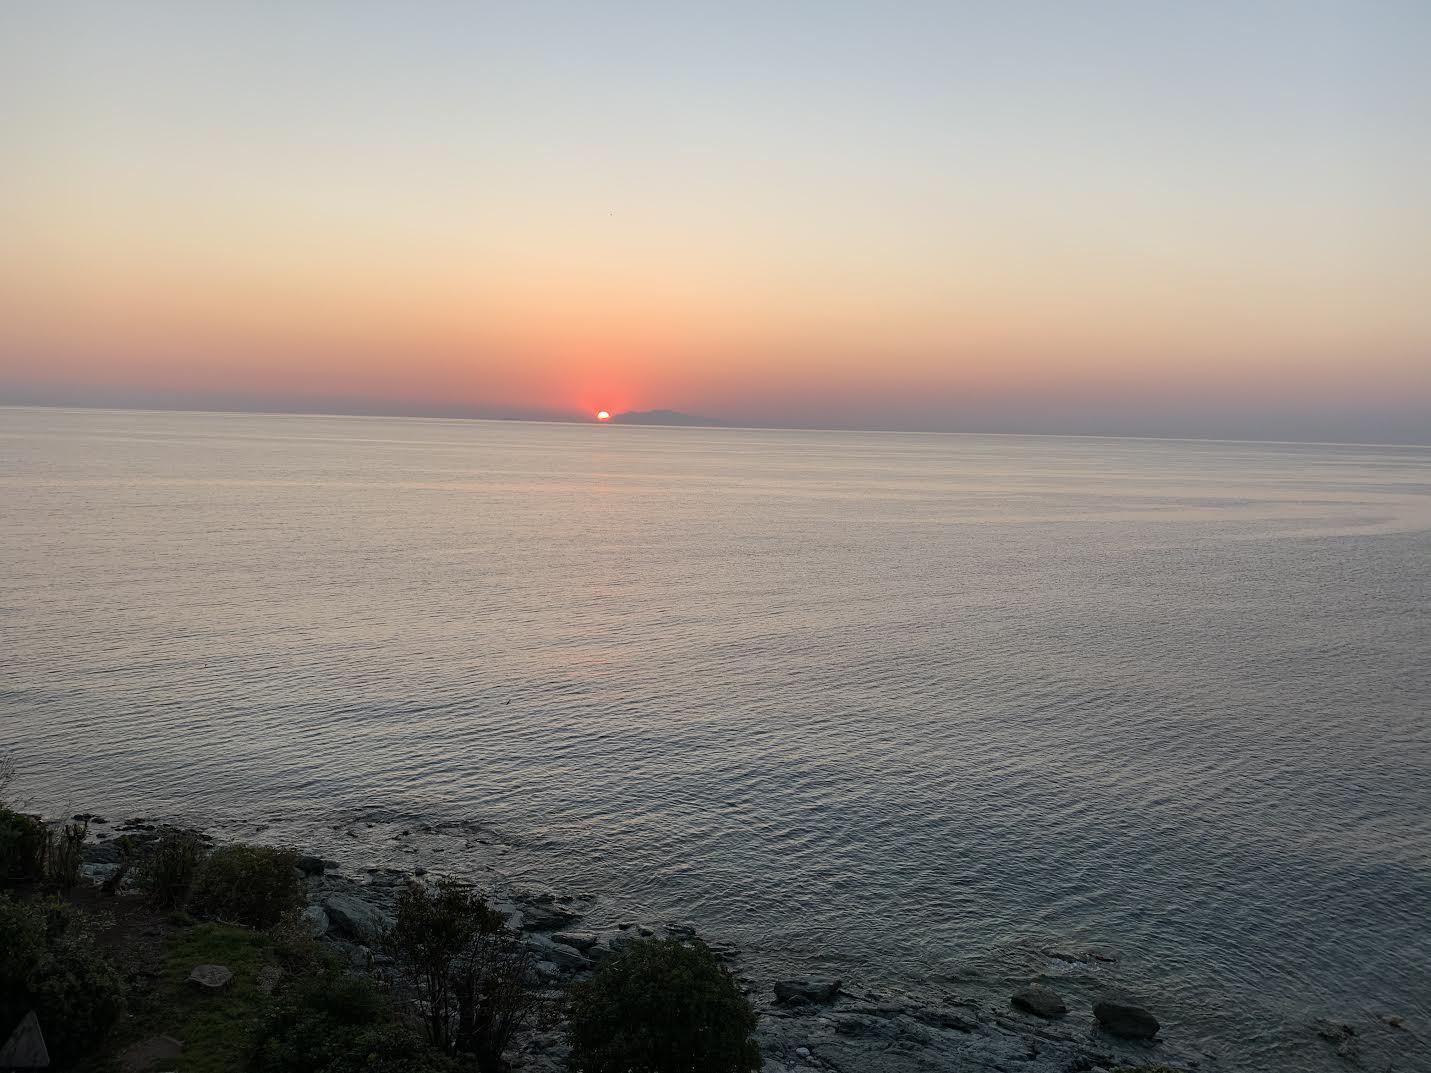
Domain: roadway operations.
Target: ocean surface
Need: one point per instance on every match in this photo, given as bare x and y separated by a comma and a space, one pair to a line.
911, 709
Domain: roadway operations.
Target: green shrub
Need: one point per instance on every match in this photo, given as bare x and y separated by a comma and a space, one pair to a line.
167, 871
469, 972
23, 840
340, 1024
660, 1007
251, 885
64, 853
49, 963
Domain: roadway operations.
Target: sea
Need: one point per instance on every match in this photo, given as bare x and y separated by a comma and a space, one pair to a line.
938, 712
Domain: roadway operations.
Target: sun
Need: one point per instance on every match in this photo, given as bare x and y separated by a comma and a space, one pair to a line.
602, 415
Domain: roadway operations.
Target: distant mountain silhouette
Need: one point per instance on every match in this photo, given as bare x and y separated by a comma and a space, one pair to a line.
663, 417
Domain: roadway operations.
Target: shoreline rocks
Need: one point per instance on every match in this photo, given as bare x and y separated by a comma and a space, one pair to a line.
1124, 1018
1039, 1001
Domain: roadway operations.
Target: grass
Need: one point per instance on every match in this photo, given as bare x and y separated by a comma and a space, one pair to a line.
215, 1028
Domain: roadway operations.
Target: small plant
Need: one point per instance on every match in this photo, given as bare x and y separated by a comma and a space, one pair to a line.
64, 854
49, 963
339, 1024
116, 878
23, 842
660, 1006
470, 973
250, 885
167, 873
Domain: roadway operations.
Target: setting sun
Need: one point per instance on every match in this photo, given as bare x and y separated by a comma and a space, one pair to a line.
602, 415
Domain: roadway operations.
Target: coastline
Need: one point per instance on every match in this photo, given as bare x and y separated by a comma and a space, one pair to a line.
805, 1023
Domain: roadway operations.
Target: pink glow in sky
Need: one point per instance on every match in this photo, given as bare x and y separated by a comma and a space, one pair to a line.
1185, 219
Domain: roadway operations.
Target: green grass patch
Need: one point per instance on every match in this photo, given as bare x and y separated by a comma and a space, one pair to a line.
216, 1028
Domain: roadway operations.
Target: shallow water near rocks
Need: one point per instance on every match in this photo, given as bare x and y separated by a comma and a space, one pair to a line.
926, 711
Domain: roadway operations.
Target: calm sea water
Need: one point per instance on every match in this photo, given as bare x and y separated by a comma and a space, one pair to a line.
911, 708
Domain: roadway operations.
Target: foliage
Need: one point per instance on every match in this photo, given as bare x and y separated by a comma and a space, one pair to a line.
64, 853
470, 973
22, 845
8, 771
661, 1007
251, 885
49, 963
339, 1024
168, 870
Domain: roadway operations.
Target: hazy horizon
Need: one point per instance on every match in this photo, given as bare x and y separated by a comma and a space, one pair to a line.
1119, 219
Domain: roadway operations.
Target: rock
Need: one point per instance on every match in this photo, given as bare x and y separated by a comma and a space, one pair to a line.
146, 1054
543, 912
210, 977
1077, 957
799, 992
803, 1052
580, 940
25, 1049
314, 921
1039, 1001
310, 865
1126, 1019
356, 919
1335, 1031
945, 1019
558, 954
359, 958
1392, 1020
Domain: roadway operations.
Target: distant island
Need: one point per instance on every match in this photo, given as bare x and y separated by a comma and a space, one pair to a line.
664, 417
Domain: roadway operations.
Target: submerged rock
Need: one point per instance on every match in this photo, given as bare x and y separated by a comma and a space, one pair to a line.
1124, 1018
800, 992
310, 865
1039, 1001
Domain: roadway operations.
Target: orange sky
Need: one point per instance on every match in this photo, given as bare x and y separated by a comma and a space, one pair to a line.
481, 213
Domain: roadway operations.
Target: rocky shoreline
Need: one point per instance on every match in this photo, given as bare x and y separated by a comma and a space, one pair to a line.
805, 1024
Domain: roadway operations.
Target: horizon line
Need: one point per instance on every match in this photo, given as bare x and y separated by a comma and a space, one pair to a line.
575, 420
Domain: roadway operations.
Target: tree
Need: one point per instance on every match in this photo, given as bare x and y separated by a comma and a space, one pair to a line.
470, 972
661, 1007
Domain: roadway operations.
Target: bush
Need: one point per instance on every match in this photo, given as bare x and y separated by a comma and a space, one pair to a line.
659, 1007
49, 963
64, 853
469, 971
251, 885
339, 1024
167, 872
23, 840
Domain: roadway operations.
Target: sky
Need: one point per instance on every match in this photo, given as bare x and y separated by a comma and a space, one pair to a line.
1143, 218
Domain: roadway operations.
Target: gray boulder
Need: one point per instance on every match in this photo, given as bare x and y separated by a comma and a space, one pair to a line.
25, 1049
800, 992
314, 921
1039, 1001
356, 919
211, 977
580, 940
1122, 1017
558, 954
